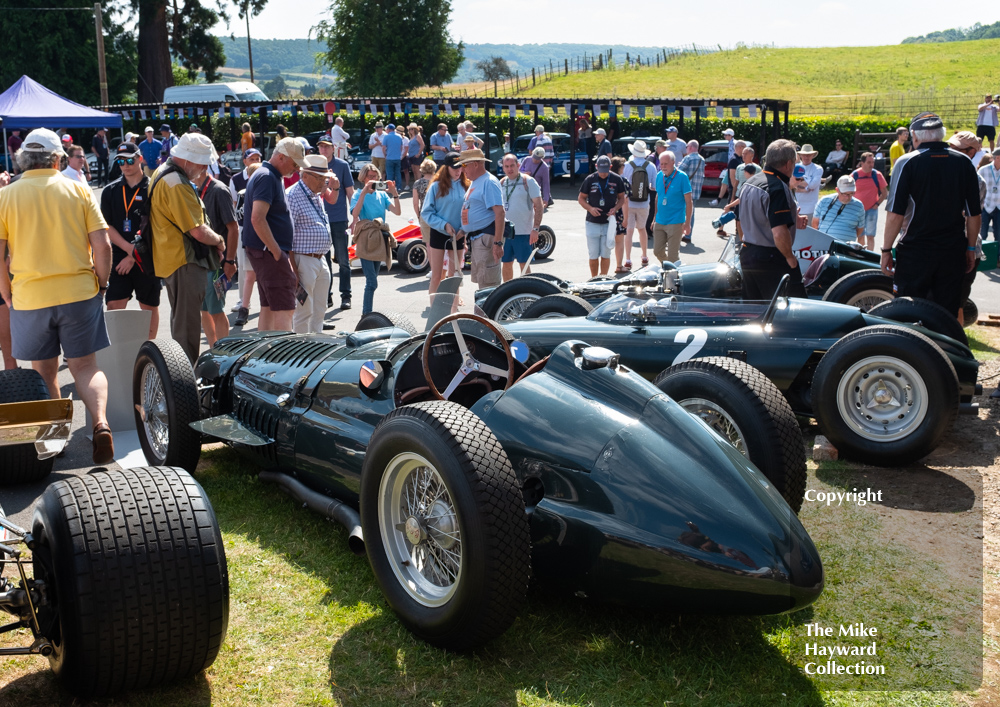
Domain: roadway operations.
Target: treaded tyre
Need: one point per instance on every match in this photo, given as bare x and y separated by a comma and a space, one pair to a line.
548, 276
546, 242
862, 289
509, 300
560, 305
136, 573
382, 320
445, 525
929, 315
19, 463
885, 395
412, 255
166, 402
747, 409
970, 312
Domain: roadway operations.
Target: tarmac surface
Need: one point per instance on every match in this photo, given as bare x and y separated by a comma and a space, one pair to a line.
407, 293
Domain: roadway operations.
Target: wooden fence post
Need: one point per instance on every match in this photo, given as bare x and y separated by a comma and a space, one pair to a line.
532, 76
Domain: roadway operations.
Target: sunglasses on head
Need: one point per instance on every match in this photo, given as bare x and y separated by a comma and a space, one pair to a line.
125, 160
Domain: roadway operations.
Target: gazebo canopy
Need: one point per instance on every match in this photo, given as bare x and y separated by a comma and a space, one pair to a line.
28, 104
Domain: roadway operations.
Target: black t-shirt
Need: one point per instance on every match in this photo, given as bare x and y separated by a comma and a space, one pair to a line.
735, 162
115, 198
101, 146
941, 186
600, 189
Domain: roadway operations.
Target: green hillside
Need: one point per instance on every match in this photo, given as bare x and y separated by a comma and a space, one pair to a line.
977, 31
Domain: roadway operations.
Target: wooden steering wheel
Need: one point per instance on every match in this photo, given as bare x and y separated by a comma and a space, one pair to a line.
469, 364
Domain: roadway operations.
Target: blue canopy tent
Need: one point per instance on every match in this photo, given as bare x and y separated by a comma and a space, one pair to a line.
28, 104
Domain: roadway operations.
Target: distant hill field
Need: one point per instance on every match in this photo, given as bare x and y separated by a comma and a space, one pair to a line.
899, 79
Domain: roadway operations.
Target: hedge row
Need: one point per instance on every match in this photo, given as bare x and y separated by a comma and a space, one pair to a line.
819, 132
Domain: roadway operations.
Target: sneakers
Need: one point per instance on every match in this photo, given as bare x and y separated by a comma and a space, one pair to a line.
241, 316
722, 234
104, 445
236, 307
345, 304
713, 202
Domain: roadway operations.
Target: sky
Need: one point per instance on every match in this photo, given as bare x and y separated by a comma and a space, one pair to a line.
781, 22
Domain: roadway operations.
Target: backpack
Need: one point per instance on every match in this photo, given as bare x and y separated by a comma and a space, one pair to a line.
225, 174
639, 187
142, 244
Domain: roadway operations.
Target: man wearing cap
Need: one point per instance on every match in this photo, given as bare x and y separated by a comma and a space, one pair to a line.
340, 139
123, 203
936, 191
729, 135
638, 209
990, 174
150, 149
769, 220
840, 215
482, 219
534, 166
335, 201
99, 148
678, 147
872, 190
673, 210
267, 235
441, 144
601, 195
167, 143
310, 243
807, 189
392, 144
60, 259
185, 247
377, 148
603, 144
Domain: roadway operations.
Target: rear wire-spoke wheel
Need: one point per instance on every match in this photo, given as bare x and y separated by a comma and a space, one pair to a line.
511, 299
718, 419
153, 401
165, 395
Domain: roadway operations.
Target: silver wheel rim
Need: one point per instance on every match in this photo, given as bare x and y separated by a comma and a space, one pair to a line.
420, 530
719, 420
156, 419
544, 244
513, 307
882, 398
417, 257
866, 299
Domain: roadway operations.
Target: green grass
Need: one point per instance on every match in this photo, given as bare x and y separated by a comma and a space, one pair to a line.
983, 341
308, 625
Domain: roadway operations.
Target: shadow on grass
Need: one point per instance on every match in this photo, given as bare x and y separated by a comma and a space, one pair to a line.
916, 487
44, 688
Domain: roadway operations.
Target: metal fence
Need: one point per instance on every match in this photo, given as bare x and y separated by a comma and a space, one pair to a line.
956, 110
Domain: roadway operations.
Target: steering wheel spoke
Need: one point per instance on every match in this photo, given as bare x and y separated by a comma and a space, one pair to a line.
462, 347
462, 374
493, 371
469, 365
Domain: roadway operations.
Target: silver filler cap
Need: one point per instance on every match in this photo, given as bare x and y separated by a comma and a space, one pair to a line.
598, 357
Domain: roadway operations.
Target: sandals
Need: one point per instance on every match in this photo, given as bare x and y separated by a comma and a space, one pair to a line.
645, 260
627, 266
104, 445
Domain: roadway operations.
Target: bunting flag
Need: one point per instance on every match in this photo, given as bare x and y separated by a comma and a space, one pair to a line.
407, 108
752, 111
642, 111
568, 109
625, 111
350, 109
513, 111
447, 108
687, 111
597, 110
673, 109
720, 112
422, 109
180, 113
541, 111
201, 111
222, 110
142, 114
736, 111
475, 107
234, 111
399, 107
657, 111
703, 111
461, 110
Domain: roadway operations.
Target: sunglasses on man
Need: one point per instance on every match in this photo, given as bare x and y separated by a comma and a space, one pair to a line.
125, 160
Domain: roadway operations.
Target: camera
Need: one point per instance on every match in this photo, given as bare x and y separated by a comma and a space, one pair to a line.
379, 186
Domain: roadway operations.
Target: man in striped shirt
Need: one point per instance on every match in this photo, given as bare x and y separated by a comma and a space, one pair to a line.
840, 215
310, 243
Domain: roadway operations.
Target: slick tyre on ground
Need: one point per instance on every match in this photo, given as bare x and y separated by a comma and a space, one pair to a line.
412, 255
862, 289
509, 300
560, 305
546, 243
929, 315
885, 395
19, 463
165, 396
382, 320
746, 408
445, 525
137, 581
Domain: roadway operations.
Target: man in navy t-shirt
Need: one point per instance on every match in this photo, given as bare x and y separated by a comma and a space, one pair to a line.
336, 211
267, 235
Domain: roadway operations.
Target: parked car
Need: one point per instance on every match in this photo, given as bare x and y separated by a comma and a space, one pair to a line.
561, 145
716, 154
620, 146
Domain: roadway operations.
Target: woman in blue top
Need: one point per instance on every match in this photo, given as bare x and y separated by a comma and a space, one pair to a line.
369, 204
442, 211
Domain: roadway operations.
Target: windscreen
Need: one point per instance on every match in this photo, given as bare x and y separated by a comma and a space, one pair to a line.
644, 309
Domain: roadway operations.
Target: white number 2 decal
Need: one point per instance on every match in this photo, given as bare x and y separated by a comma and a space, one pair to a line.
695, 340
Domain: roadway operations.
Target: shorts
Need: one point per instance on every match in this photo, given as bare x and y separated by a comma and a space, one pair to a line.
517, 248
987, 131
637, 217
275, 280
871, 222
439, 241
416, 161
212, 304
78, 327
597, 241
485, 267
121, 287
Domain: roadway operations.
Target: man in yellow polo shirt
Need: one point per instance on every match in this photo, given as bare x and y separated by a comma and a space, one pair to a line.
52, 225
184, 247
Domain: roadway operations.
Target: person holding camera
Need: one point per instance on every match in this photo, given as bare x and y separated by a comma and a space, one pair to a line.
986, 121
371, 237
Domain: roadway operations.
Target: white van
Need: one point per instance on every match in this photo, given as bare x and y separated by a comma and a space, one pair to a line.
214, 92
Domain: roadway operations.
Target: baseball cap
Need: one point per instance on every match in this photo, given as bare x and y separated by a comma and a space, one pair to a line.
672, 129
149, 129
127, 148
964, 140
926, 121
846, 183
728, 131
322, 138
451, 159
603, 163
660, 143
290, 148
42, 140
68, 139
251, 151
601, 131
194, 128
390, 127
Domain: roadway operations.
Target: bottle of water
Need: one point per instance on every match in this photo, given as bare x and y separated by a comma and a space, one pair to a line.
724, 219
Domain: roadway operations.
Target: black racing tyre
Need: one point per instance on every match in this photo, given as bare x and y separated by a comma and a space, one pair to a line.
546, 243
454, 570
862, 289
746, 408
603, 278
165, 396
136, 575
412, 255
929, 315
548, 276
970, 312
509, 300
560, 305
382, 320
19, 463
885, 395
